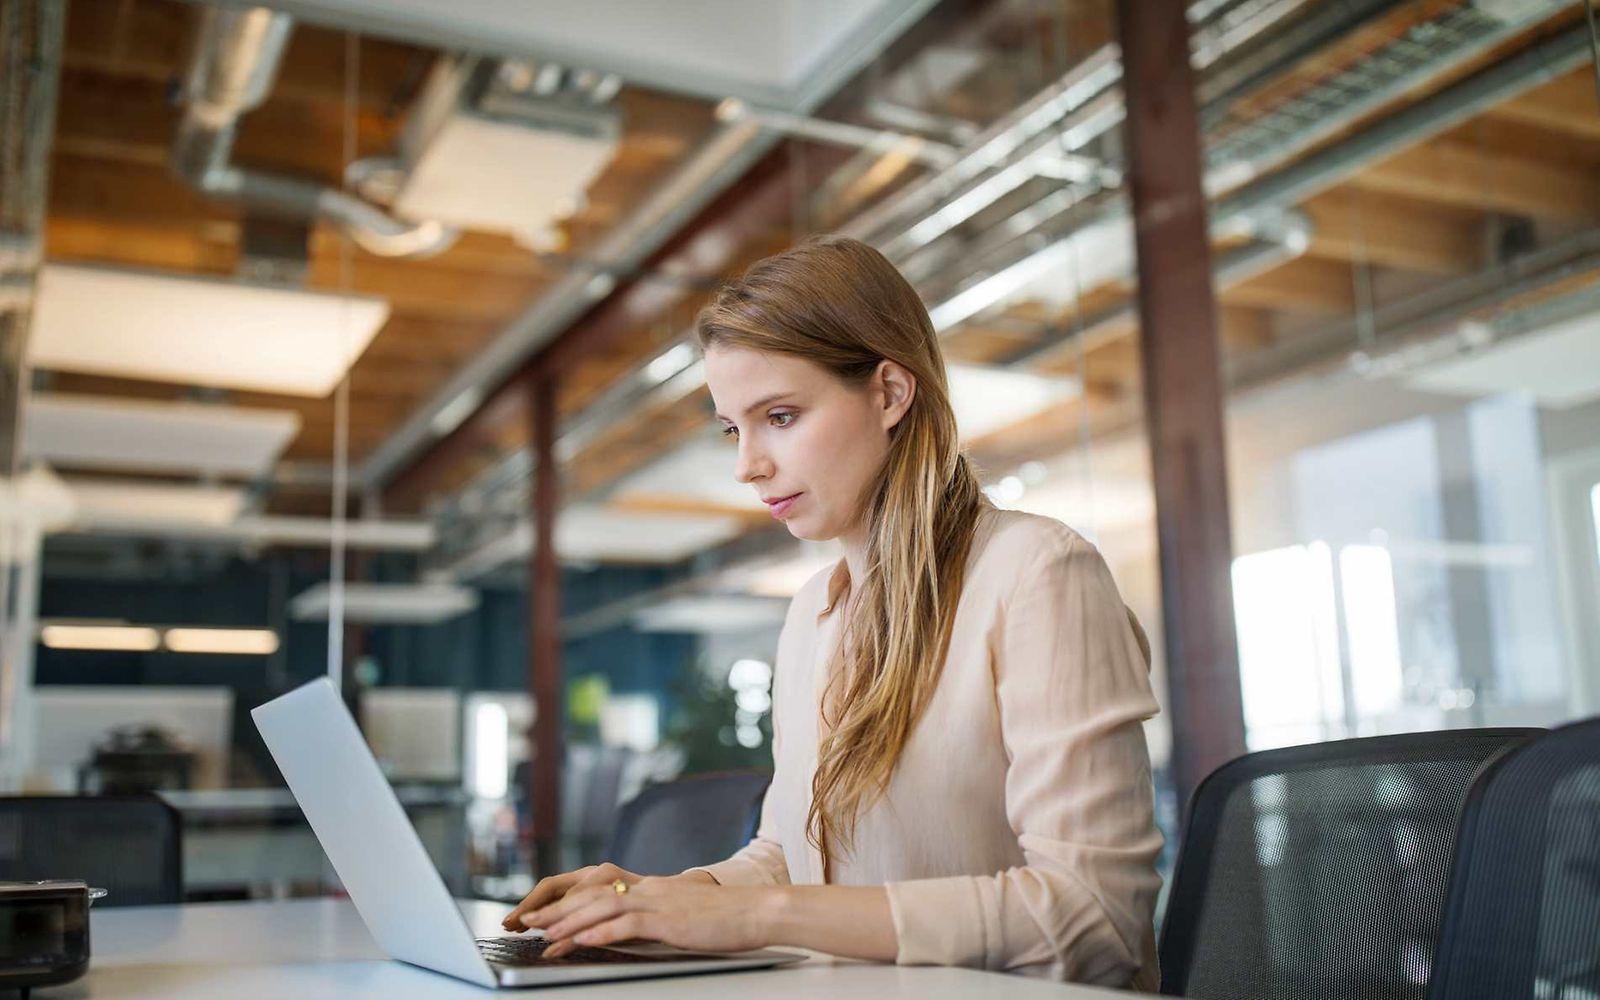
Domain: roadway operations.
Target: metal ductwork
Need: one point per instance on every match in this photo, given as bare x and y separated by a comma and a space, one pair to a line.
236, 60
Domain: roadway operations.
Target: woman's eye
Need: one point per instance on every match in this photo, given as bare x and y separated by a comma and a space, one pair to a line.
786, 418
730, 431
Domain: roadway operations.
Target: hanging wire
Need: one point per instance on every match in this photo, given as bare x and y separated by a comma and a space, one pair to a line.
1594, 44
341, 393
1085, 442
1361, 278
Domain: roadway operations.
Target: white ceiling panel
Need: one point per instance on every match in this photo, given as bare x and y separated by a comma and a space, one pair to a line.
136, 435
198, 331
788, 53
106, 502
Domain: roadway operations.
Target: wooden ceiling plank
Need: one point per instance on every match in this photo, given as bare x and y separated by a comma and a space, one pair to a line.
1306, 285
1568, 106
1454, 173
1355, 225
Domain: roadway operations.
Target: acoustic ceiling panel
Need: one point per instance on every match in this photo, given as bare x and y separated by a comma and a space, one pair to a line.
135, 435
198, 331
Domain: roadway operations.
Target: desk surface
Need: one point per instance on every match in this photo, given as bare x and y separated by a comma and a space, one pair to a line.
320, 948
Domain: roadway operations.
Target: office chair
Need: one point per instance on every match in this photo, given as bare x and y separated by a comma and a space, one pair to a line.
693, 821
1522, 919
1319, 871
128, 844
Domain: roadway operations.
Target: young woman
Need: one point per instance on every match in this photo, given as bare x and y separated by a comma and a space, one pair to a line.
961, 777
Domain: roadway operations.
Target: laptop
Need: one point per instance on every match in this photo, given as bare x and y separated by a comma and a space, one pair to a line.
394, 884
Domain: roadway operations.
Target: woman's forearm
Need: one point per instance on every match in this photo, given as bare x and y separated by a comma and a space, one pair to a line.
852, 921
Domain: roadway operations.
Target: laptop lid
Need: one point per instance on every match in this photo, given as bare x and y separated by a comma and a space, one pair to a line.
365, 833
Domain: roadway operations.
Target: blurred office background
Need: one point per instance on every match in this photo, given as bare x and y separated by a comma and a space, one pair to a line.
294, 297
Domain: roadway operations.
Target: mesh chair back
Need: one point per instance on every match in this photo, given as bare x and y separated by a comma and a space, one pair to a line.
129, 845
693, 821
1319, 871
1523, 916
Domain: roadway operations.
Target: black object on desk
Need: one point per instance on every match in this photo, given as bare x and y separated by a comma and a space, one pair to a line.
44, 933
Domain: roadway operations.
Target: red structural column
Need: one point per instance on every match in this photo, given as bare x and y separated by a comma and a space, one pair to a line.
544, 628
1183, 391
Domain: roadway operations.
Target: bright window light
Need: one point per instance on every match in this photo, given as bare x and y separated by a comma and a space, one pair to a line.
490, 750
232, 641
1288, 645
1367, 583
120, 638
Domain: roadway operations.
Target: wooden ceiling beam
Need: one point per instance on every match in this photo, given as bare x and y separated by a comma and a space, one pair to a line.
1567, 106
1467, 176
1353, 225
1306, 285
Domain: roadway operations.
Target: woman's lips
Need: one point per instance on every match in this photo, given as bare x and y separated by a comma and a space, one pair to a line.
778, 508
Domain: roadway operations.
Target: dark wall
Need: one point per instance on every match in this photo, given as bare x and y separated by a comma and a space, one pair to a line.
483, 650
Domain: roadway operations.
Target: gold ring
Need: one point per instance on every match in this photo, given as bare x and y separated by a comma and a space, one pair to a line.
619, 887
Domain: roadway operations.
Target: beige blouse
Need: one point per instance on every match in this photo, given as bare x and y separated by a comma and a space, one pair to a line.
1017, 830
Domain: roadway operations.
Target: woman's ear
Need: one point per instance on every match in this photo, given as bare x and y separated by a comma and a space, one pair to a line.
897, 388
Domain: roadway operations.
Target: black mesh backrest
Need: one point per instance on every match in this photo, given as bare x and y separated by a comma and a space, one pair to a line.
1319, 871
129, 844
694, 821
1523, 917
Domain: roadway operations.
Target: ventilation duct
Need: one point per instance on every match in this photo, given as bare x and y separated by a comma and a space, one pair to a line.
234, 65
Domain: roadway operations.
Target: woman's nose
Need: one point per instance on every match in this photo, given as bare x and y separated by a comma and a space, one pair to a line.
752, 464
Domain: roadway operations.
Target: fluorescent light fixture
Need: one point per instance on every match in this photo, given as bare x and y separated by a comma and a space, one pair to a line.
140, 435
233, 641
986, 399
387, 603
198, 331
712, 613
117, 638
105, 503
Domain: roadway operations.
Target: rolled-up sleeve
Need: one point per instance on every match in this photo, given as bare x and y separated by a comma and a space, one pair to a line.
1072, 685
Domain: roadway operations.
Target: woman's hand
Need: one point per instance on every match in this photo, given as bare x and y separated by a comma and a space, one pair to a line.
686, 911
555, 887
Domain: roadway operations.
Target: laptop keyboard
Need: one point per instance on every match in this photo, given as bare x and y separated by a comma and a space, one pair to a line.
530, 951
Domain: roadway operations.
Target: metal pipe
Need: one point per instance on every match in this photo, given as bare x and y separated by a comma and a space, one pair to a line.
1058, 217
1428, 117
235, 64
1279, 241
929, 151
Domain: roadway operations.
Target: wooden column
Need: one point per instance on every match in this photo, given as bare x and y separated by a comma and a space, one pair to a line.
545, 683
1183, 392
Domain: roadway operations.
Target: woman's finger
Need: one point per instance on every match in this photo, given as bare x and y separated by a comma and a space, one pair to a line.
545, 892
591, 912
578, 896
623, 928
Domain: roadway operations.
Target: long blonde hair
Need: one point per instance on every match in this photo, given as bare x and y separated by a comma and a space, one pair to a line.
840, 304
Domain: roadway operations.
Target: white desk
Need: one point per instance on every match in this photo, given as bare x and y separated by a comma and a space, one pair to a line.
319, 948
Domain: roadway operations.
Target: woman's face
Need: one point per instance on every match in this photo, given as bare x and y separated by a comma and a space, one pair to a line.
811, 445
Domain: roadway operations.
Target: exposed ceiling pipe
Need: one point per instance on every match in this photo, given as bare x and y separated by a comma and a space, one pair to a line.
235, 63
1024, 244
